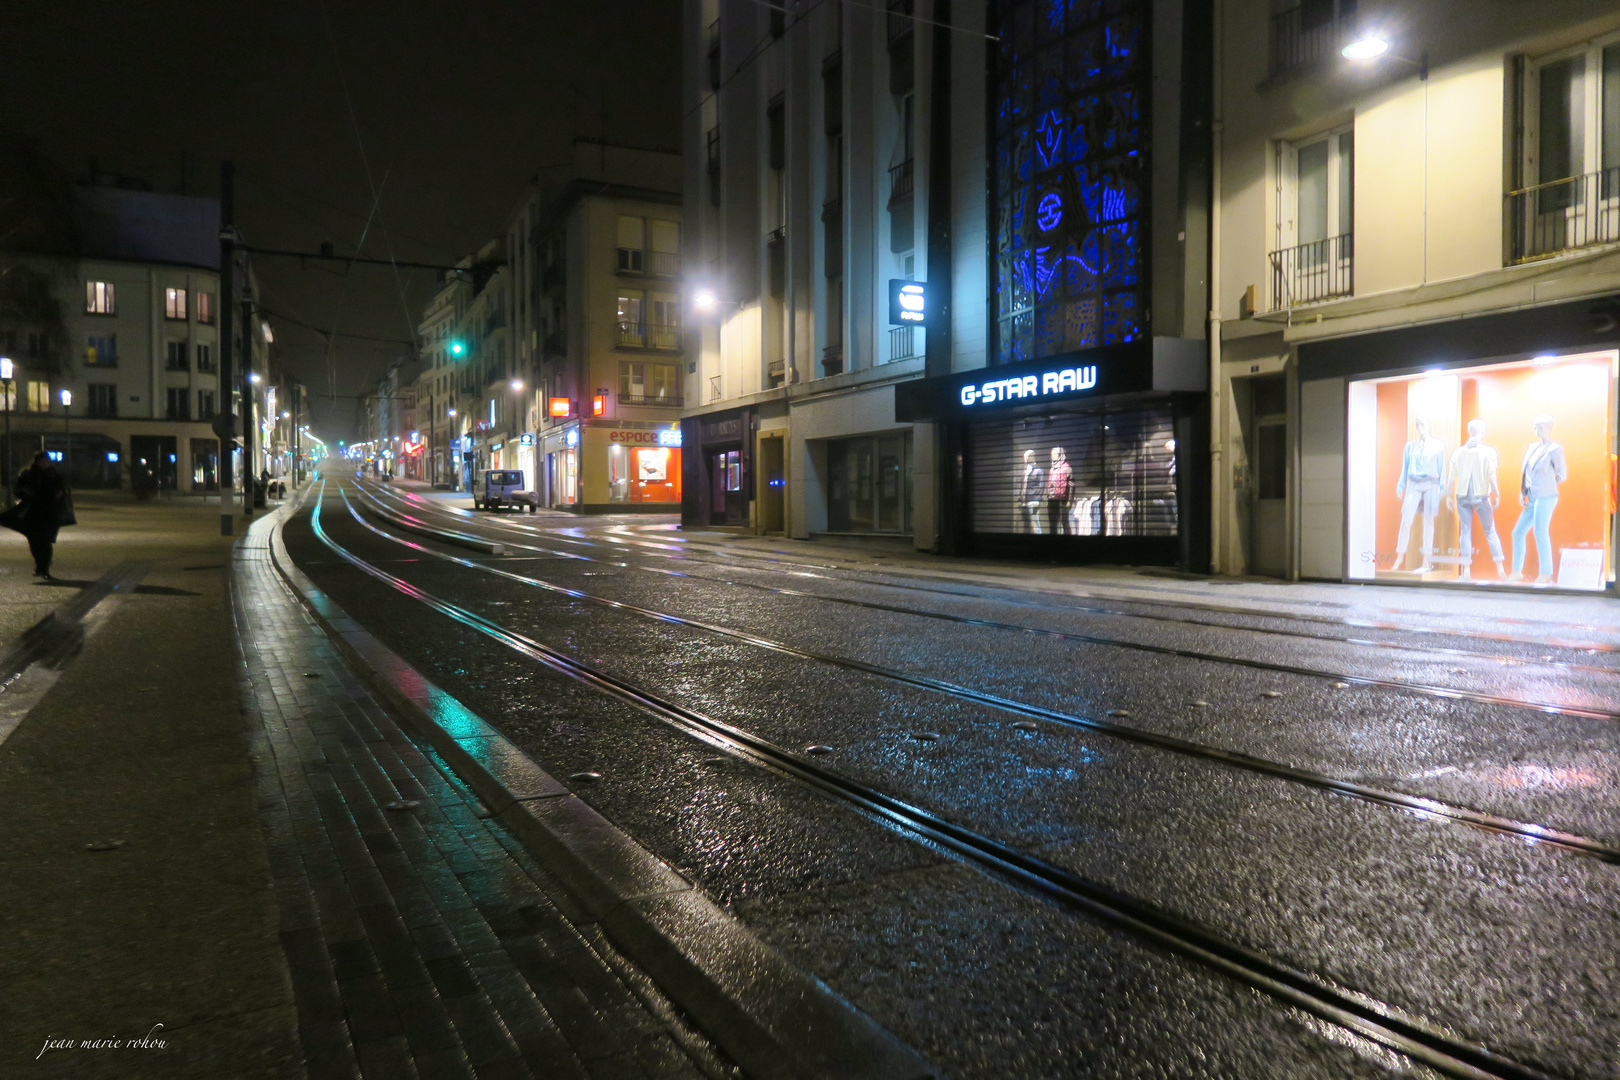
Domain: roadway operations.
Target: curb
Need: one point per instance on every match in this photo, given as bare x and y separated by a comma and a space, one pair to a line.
775, 1020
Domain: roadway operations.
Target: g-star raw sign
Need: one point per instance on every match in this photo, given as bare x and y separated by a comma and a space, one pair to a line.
908, 302
1030, 387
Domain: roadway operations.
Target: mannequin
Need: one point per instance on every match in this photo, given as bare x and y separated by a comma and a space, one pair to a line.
1031, 490
1058, 490
1423, 468
1474, 492
1544, 469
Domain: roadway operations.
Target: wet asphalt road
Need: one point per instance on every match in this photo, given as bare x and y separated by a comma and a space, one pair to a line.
1511, 944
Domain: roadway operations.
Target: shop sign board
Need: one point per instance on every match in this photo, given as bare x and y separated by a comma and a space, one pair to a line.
908, 302
722, 430
1065, 380
526, 439
640, 438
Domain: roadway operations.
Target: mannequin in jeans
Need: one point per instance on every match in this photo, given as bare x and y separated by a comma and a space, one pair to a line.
1423, 468
1474, 492
1031, 492
1544, 469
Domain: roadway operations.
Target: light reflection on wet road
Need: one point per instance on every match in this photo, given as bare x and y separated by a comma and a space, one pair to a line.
1500, 940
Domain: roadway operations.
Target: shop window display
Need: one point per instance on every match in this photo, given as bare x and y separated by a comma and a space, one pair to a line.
1497, 474
1087, 474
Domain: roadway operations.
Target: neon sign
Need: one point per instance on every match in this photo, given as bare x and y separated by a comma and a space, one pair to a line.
908, 302
669, 437
1046, 384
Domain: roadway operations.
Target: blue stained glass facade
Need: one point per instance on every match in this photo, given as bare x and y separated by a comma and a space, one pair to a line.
1070, 175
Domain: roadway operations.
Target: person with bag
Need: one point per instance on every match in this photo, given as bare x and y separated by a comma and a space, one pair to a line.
42, 508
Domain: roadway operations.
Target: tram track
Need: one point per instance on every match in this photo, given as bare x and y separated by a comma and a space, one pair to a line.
1421, 806
1352, 1011
1410, 686
808, 570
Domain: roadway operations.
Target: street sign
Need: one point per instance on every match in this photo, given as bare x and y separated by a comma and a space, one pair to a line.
224, 425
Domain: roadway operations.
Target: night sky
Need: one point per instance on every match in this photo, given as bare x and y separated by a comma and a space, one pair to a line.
456, 106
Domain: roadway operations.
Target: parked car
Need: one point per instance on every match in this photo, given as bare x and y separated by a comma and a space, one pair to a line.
497, 488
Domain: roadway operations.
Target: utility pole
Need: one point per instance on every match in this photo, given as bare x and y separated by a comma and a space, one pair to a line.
250, 478
227, 294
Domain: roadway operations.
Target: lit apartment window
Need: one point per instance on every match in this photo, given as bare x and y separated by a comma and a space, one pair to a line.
205, 307
174, 303
1315, 220
649, 384
99, 299
1571, 167
101, 350
39, 397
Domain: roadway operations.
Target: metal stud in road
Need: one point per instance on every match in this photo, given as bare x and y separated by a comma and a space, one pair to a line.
1271, 693
1119, 712
1200, 704
404, 804
926, 736
818, 749
105, 845
585, 777
1026, 725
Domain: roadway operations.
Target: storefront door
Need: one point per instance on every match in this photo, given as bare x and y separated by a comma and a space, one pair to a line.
727, 501
1267, 438
773, 486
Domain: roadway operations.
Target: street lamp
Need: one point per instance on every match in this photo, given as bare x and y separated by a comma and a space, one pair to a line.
67, 436
8, 371
1371, 45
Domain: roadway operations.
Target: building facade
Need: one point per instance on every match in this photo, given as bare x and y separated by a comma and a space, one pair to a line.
958, 269
604, 309
1417, 293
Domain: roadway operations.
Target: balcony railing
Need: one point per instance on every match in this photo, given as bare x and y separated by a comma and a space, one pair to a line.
899, 19
832, 360
649, 336
672, 401
1311, 272
1576, 212
656, 263
1310, 31
900, 180
902, 343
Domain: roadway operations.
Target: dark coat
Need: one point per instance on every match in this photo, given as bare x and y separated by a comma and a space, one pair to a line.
41, 498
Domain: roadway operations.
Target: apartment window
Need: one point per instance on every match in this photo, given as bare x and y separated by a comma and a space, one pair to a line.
99, 298
174, 303
1315, 220
1571, 165
649, 384
664, 255
712, 162
205, 307
177, 357
179, 403
632, 244
101, 350
103, 400
205, 404
205, 357
39, 397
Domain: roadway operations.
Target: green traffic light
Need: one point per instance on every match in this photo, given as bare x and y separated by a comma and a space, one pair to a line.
457, 348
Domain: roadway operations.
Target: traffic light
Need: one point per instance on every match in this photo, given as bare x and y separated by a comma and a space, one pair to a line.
457, 347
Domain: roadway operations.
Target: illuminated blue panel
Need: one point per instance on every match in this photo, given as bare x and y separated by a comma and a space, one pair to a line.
1069, 170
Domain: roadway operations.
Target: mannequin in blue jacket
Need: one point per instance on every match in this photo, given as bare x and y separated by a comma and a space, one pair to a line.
1423, 474
1543, 470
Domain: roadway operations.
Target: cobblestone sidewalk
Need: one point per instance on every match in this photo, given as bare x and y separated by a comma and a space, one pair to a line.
422, 939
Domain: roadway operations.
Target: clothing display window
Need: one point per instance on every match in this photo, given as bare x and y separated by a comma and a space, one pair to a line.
1096, 473
1502, 473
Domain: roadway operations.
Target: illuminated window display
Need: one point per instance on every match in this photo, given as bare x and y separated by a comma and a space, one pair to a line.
1101, 473
1502, 473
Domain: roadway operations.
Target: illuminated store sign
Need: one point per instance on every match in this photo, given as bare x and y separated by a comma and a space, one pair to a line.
669, 437
908, 302
1028, 387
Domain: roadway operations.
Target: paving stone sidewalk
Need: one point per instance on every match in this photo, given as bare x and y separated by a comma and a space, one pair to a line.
421, 938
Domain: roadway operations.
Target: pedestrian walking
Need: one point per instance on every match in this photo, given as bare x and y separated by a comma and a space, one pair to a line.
42, 508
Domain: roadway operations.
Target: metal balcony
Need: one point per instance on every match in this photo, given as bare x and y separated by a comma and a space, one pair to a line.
1307, 273
649, 336
1309, 31
1564, 215
900, 180
902, 343
651, 263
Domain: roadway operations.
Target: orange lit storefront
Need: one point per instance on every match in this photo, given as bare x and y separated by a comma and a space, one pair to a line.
1491, 471
622, 467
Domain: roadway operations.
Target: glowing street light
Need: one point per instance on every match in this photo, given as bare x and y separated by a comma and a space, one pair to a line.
1365, 48
517, 385
705, 299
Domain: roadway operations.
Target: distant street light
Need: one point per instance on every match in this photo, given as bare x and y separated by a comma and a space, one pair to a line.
8, 371
67, 435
